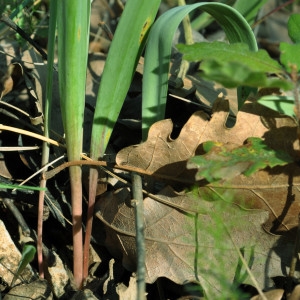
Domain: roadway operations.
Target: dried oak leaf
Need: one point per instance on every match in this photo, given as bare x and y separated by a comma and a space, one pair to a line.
161, 155
275, 190
185, 246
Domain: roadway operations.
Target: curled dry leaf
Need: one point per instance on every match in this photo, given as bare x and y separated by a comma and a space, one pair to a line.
190, 246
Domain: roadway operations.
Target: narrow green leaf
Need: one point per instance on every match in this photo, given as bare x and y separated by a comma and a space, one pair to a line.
158, 50
123, 56
282, 104
249, 9
50, 64
73, 36
234, 74
28, 254
222, 52
226, 161
73, 40
294, 28
124, 53
290, 55
21, 187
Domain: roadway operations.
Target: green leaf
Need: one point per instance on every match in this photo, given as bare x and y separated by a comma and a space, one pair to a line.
73, 35
249, 9
234, 74
290, 55
282, 104
294, 28
123, 56
73, 25
240, 53
21, 187
28, 254
158, 50
226, 161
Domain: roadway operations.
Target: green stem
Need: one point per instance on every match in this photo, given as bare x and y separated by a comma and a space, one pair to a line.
47, 126
137, 202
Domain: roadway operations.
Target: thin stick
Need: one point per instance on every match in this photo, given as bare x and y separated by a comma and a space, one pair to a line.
271, 12
40, 170
138, 204
254, 281
34, 135
19, 217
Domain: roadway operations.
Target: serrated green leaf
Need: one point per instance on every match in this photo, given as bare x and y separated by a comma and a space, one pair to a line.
224, 162
290, 55
222, 52
282, 104
294, 28
234, 74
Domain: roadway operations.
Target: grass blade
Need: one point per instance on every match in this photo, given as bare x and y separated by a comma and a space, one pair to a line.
119, 69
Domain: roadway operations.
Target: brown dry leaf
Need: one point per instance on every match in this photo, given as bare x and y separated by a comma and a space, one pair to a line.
295, 295
177, 241
274, 190
10, 78
162, 155
270, 295
161, 151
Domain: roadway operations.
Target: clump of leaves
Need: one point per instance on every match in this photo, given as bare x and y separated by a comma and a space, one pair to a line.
233, 65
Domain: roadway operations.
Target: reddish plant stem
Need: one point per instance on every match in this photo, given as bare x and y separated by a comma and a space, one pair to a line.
40, 229
89, 223
76, 192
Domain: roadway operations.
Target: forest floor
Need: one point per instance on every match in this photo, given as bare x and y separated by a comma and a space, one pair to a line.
180, 252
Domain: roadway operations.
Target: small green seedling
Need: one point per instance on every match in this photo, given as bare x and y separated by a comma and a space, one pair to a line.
28, 254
